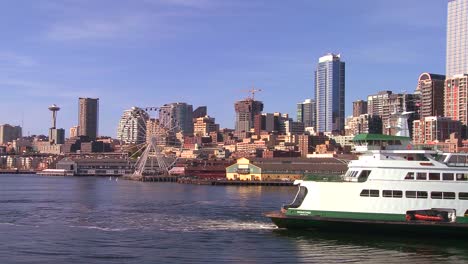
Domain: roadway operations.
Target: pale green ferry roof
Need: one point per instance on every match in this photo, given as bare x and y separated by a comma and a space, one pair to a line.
379, 137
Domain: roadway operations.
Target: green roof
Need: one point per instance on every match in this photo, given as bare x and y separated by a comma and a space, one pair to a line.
381, 137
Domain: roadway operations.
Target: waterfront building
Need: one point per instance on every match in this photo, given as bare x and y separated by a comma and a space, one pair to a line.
203, 126
375, 103
457, 38
431, 88
246, 110
306, 113
73, 131
359, 108
456, 98
434, 129
8, 133
330, 93
132, 126
178, 115
88, 117
277, 169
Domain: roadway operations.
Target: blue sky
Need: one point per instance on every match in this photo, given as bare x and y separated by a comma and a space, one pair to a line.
205, 52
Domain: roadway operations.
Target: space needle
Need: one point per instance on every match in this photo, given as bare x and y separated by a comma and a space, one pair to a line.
54, 108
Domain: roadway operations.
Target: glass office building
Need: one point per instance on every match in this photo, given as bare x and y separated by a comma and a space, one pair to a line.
330, 94
457, 38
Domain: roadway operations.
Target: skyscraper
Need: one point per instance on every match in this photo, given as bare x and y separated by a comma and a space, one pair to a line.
179, 115
245, 113
457, 38
359, 108
88, 117
456, 98
132, 126
306, 113
330, 93
375, 103
431, 88
9, 133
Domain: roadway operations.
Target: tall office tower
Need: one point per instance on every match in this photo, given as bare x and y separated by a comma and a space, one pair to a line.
456, 98
457, 38
8, 133
178, 115
431, 88
306, 113
201, 111
330, 93
359, 108
245, 113
375, 103
132, 126
88, 117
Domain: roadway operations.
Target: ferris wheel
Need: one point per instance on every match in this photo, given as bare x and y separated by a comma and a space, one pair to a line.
151, 145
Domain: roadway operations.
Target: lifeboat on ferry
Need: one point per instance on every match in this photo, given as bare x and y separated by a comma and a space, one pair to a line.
422, 217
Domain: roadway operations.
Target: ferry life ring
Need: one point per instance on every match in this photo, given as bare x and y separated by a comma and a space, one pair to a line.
409, 147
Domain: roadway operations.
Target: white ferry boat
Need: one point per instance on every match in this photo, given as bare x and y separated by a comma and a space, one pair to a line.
391, 187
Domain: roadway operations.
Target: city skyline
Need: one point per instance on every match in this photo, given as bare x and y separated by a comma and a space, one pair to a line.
205, 53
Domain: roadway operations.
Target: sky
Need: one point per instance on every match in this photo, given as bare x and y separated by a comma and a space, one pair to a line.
204, 52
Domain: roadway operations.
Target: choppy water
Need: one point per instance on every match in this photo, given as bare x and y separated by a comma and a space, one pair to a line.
94, 220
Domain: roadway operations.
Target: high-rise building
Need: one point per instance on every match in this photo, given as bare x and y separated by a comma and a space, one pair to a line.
201, 111
359, 108
178, 115
457, 38
364, 124
375, 103
203, 126
306, 113
132, 126
57, 136
456, 98
431, 88
8, 133
88, 117
245, 113
434, 129
330, 93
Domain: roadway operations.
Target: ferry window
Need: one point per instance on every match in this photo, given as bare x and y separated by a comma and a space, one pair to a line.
463, 196
386, 193
409, 176
434, 176
392, 193
370, 193
410, 194
364, 175
421, 195
436, 195
449, 195
462, 176
421, 176
448, 176
365, 193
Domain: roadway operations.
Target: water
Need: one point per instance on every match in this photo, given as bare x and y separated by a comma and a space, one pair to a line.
94, 220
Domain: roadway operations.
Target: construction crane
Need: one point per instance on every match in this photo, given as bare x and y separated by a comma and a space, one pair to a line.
252, 92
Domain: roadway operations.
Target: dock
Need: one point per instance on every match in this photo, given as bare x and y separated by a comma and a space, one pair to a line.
234, 183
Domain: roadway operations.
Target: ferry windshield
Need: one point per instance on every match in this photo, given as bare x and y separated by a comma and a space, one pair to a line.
300, 196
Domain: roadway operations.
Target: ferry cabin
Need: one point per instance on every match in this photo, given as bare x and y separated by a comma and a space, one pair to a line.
389, 181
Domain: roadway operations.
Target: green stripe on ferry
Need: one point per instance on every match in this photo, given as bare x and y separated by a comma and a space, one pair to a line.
347, 215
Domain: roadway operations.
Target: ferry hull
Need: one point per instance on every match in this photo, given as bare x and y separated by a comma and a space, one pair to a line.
368, 226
